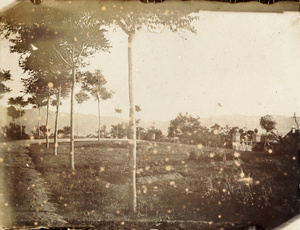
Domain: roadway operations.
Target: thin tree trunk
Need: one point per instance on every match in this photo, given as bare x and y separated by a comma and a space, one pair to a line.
47, 123
21, 130
174, 136
78, 120
265, 144
132, 133
76, 137
56, 121
117, 131
39, 131
139, 133
72, 120
99, 128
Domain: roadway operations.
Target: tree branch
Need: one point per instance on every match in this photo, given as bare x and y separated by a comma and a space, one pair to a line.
123, 26
159, 32
81, 51
62, 57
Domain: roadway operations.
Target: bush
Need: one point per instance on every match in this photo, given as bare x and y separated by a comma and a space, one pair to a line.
13, 132
259, 147
207, 154
211, 154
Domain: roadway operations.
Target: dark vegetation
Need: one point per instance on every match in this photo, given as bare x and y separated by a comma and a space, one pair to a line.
23, 194
180, 186
13, 132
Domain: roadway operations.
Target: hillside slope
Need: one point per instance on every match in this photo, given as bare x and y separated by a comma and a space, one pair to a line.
222, 188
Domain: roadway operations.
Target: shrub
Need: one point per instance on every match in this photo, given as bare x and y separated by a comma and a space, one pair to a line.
210, 154
13, 132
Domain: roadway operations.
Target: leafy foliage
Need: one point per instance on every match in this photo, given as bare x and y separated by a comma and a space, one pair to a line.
187, 128
130, 16
94, 83
157, 133
38, 101
118, 110
81, 97
44, 130
17, 101
104, 132
65, 131
120, 130
4, 76
14, 132
15, 110
138, 108
66, 34
14, 113
267, 122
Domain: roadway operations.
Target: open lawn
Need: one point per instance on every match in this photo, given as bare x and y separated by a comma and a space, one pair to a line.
179, 186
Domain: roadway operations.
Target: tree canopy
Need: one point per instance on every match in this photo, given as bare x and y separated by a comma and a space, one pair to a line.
81, 97
186, 127
38, 101
267, 122
14, 113
94, 83
76, 32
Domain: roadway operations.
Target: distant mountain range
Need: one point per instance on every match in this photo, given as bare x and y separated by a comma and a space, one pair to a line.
87, 124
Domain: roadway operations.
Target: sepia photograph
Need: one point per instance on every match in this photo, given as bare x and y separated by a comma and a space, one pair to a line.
150, 114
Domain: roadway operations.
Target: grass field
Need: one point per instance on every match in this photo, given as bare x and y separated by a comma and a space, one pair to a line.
179, 186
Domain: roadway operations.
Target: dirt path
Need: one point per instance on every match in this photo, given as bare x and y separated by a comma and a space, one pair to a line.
24, 197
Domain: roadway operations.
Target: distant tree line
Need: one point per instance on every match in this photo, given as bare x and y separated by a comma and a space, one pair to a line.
187, 129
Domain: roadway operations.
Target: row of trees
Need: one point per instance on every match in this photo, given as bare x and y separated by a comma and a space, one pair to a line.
53, 58
54, 47
188, 130
122, 131
92, 83
118, 131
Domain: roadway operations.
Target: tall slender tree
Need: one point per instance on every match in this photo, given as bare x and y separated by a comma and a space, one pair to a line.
82, 41
38, 101
94, 83
68, 35
20, 103
53, 79
80, 97
118, 110
50, 86
56, 103
268, 123
39, 84
154, 18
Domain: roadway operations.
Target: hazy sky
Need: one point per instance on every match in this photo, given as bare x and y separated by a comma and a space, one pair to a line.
246, 62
